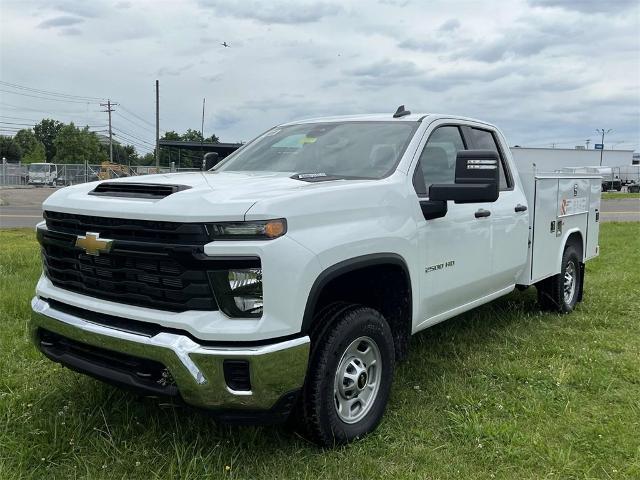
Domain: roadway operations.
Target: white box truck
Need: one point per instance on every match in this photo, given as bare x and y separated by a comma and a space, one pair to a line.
40, 174
289, 278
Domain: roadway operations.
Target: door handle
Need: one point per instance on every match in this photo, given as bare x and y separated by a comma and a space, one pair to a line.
482, 213
520, 208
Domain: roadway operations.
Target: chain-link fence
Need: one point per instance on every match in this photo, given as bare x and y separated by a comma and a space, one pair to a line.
12, 174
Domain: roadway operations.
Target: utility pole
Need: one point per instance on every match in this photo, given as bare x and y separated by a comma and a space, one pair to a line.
603, 132
157, 126
109, 110
202, 131
202, 124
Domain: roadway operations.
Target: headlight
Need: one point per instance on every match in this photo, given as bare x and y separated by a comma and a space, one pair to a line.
238, 291
252, 230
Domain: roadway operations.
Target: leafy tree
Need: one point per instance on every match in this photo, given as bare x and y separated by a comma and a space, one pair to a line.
171, 135
122, 154
46, 131
195, 136
184, 158
130, 154
36, 155
32, 149
147, 160
75, 145
26, 139
10, 149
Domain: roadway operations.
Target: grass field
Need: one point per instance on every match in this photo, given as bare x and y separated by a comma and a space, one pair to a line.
500, 392
618, 195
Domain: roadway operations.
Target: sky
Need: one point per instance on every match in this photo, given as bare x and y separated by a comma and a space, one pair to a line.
545, 71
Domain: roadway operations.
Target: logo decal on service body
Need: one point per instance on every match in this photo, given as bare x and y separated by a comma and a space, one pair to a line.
440, 266
92, 244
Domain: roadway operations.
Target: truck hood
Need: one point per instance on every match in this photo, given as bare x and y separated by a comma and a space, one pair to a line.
211, 196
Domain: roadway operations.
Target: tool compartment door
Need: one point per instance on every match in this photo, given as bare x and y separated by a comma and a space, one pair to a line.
545, 221
573, 206
593, 227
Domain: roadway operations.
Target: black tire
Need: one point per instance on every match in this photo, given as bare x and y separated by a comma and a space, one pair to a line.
551, 291
319, 413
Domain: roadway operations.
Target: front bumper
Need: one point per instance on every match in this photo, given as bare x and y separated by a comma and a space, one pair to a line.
276, 370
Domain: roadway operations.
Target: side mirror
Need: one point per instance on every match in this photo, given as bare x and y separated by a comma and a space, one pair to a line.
210, 160
477, 179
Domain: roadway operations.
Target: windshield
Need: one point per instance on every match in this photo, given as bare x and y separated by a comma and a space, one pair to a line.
38, 168
367, 150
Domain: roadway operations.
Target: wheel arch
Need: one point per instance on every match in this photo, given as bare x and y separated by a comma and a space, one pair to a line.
398, 311
575, 237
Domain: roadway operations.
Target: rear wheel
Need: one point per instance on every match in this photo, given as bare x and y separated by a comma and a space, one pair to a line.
560, 293
349, 378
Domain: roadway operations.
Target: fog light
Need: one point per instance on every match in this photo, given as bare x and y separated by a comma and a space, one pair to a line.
238, 291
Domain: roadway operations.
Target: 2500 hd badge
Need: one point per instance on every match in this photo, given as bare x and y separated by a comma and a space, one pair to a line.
440, 266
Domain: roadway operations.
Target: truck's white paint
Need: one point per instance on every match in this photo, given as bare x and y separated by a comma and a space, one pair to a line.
334, 221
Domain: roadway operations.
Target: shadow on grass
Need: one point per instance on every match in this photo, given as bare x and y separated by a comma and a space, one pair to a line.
120, 414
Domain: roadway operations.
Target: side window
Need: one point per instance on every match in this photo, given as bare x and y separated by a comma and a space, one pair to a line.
437, 162
484, 140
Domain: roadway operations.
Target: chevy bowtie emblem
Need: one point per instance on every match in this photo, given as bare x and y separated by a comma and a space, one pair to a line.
92, 244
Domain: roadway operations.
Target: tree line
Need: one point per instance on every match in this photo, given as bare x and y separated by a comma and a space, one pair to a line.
53, 141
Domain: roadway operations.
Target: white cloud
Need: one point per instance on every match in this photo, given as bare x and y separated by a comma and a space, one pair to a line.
542, 69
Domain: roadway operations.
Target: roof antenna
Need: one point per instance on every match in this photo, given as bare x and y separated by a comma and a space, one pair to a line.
401, 112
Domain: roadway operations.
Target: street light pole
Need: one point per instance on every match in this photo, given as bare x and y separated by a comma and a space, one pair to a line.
602, 132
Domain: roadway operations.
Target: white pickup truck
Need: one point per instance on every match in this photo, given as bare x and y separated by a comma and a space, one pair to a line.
291, 276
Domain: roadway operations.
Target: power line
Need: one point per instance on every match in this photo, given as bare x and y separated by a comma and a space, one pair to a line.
19, 118
49, 92
132, 135
134, 123
40, 110
140, 147
121, 132
137, 116
33, 125
45, 98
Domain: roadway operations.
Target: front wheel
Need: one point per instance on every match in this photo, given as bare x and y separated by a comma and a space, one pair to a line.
560, 293
349, 377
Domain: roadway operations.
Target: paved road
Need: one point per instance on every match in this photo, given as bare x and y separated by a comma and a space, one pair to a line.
621, 210
21, 207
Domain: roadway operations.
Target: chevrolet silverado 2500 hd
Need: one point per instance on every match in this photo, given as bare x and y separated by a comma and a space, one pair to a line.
291, 276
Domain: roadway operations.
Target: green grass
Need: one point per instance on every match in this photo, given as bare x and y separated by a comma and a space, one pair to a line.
500, 392
619, 195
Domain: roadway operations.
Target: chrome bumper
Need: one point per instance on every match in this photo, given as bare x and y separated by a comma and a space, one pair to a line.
275, 369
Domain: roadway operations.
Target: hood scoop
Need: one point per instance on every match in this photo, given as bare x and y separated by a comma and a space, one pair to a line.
137, 190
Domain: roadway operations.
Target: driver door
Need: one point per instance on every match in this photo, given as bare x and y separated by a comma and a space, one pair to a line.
455, 249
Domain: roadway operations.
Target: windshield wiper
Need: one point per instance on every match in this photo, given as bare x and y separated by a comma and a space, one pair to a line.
315, 177
325, 177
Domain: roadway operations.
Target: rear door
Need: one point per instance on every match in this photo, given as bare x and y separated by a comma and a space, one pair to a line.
509, 215
455, 250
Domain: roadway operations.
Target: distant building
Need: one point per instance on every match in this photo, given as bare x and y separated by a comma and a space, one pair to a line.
550, 159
